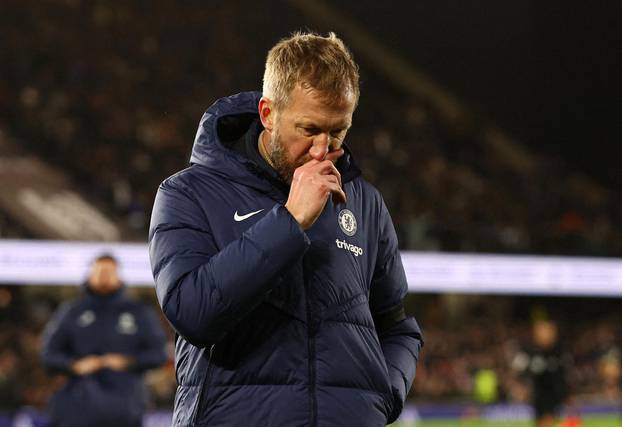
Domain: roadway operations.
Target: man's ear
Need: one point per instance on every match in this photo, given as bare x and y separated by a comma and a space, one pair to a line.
267, 113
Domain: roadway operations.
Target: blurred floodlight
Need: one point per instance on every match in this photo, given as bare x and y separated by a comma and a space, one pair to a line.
62, 262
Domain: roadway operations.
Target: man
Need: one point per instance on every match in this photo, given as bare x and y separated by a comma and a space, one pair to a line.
545, 365
547, 369
277, 263
102, 342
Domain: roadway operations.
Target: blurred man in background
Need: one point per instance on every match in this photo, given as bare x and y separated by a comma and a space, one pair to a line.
278, 264
545, 364
547, 370
103, 342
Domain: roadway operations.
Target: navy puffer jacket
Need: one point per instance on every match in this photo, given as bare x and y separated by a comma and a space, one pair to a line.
278, 326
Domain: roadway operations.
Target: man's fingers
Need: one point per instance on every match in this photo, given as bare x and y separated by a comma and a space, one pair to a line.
334, 186
328, 168
310, 163
329, 173
333, 156
339, 197
324, 167
333, 175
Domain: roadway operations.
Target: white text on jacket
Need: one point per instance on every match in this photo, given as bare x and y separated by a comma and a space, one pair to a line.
342, 244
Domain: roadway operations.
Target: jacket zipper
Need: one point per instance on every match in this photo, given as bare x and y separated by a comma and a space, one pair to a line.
311, 351
205, 382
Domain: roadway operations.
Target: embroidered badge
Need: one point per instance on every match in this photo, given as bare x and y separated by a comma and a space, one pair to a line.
347, 222
127, 324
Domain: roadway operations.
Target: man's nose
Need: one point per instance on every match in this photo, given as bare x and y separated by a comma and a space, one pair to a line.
320, 147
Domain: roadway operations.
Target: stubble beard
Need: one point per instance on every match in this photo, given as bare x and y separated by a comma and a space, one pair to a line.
277, 156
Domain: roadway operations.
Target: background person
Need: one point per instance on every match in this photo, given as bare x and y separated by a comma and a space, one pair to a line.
103, 342
545, 365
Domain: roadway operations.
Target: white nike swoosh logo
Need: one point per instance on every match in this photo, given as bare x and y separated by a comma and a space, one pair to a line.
243, 217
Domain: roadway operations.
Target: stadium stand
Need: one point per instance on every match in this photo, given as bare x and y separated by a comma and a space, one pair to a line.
123, 118
458, 348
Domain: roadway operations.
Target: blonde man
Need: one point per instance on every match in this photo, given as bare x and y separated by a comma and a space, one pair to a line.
277, 263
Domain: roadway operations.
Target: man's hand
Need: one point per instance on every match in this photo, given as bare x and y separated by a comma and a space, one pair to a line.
116, 361
312, 184
87, 365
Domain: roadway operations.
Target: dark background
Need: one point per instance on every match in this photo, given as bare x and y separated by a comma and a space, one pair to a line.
547, 72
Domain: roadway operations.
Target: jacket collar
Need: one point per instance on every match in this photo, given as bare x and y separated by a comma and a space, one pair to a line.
103, 299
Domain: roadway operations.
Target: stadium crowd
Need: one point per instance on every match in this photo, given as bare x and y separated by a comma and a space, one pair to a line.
116, 104
496, 333
456, 350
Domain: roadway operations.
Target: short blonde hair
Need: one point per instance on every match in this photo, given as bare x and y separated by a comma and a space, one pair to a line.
323, 63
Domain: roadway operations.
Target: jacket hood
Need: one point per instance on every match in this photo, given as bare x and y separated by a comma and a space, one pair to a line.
227, 120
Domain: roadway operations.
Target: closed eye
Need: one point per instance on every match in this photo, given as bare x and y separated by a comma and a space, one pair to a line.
338, 133
310, 131
313, 131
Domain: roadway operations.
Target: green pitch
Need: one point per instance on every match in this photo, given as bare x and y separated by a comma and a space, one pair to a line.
586, 422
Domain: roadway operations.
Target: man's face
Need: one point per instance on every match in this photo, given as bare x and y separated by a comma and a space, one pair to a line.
545, 334
104, 278
307, 128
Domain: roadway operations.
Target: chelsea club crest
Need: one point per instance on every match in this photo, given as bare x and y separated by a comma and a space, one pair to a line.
347, 222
